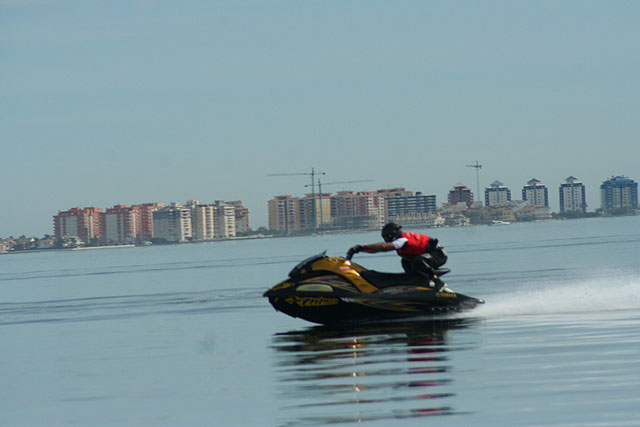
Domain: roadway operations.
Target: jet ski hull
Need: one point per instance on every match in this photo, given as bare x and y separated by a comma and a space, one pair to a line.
334, 290
329, 309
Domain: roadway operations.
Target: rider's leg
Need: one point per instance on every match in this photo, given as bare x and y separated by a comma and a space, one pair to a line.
439, 283
421, 266
428, 270
407, 266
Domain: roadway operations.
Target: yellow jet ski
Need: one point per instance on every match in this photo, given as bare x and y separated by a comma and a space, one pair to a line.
329, 290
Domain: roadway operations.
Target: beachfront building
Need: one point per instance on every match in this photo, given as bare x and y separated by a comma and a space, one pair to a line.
389, 193
572, 196
145, 220
314, 211
536, 193
294, 214
224, 220
283, 214
202, 220
460, 194
619, 192
411, 204
81, 222
212, 220
361, 210
173, 223
348, 210
497, 194
533, 213
241, 216
412, 210
120, 224
392, 193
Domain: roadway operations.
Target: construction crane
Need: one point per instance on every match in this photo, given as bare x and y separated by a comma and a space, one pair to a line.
313, 174
477, 166
320, 184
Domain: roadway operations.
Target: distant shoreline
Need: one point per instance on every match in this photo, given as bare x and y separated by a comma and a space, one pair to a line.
88, 248
269, 236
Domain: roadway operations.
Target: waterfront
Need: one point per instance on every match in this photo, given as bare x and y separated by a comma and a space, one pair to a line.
180, 335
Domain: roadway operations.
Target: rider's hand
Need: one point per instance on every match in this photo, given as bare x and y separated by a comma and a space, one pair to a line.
354, 250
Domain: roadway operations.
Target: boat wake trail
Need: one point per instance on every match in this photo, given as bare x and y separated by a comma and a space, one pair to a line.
129, 306
602, 294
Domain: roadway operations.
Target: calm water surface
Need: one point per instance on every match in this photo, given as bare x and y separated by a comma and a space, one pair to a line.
180, 335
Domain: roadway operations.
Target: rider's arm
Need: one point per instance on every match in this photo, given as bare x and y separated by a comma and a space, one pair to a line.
379, 247
386, 246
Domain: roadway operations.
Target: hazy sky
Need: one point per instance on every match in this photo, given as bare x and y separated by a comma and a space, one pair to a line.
157, 101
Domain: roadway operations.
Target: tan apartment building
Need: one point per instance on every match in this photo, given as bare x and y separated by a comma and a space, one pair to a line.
283, 214
203, 222
224, 220
217, 220
292, 214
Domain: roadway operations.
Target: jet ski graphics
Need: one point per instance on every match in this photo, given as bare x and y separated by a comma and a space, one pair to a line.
329, 290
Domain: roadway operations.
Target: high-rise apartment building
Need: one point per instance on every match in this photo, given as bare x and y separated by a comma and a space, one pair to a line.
120, 224
460, 194
224, 220
348, 210
314, 211
345, 210
145, 219
362, 210
619, 192
411, 204
242, 216
203, 221
572, 196
497, 194
81, 222
283, 214
536, 193
173, 223
213, 221
394, 192
292, 214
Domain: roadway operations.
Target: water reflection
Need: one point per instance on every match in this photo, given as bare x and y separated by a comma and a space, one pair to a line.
329, 375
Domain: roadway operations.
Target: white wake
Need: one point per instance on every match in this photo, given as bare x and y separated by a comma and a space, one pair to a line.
581, 296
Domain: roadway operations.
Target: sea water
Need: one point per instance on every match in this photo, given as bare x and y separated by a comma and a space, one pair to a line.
181, 335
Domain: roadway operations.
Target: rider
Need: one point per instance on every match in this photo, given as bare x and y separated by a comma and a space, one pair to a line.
420, 253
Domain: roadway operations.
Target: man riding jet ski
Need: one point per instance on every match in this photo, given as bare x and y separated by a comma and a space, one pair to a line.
330, 290
420, 253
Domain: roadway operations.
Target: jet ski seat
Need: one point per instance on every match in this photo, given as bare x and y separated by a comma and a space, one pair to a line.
385, 280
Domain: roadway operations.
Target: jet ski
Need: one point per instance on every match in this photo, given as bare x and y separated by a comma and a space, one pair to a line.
329, 290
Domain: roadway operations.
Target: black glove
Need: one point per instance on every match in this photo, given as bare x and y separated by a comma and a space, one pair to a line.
354, 250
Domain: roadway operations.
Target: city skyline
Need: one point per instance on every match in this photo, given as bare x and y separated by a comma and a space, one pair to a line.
547, 195
107, 104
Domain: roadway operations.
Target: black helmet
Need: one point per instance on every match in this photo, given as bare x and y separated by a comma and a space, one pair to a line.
391, 231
